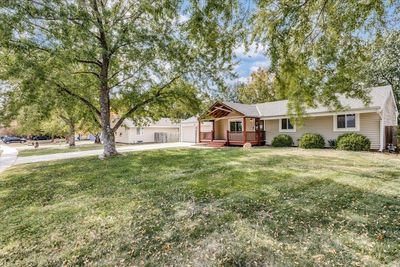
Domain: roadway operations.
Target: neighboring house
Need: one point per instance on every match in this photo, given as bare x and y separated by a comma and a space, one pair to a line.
236, 124
161, 131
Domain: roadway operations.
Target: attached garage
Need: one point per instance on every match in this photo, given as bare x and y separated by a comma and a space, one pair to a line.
188, 129
188, 133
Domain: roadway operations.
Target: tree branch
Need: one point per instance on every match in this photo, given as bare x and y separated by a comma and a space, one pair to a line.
144, 102
82, 99
87, 72
93, 62
121, 81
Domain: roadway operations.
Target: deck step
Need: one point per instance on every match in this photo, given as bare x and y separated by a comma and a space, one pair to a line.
217, 143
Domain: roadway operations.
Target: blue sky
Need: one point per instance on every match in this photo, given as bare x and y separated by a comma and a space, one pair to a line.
249, 61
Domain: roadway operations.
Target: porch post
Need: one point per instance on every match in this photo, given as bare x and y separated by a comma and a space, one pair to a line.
257, 124
213, 131
244, 130
199, 131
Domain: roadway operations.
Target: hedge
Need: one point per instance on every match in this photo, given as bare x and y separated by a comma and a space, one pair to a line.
311, 140
282, 140
353, 142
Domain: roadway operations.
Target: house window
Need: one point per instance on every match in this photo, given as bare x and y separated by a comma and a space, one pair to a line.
235, 126
346, 122
285, 125
260, 126
139, 131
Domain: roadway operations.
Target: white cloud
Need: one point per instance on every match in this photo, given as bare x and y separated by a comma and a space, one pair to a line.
242, 79
253, 51
259, 64
183, 18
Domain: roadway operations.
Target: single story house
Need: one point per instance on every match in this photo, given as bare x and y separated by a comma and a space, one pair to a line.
161, 131
258, 124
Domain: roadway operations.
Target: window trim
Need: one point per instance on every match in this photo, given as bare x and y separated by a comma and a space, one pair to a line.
235, 120
346, 129
286, 130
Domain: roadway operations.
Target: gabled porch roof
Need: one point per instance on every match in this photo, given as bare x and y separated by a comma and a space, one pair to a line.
224, 109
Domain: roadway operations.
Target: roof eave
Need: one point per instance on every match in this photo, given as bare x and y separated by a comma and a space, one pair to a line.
327, 113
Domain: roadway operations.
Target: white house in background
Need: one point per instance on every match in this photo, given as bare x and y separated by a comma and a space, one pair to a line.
161, 131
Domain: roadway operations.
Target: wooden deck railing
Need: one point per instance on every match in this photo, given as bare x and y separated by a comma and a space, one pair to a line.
251, 136
207, 136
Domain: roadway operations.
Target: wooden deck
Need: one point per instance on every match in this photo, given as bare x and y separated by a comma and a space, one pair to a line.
255, 138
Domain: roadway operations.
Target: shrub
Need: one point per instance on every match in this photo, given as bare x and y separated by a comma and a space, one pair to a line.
310, 140
332, 143
353, 142
282, 140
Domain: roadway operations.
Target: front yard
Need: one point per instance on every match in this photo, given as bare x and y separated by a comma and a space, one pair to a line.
58, 148
280, 207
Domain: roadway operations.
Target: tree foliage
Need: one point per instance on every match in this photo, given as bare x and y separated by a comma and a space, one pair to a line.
384, 65
136, 57
260, 88
317, 48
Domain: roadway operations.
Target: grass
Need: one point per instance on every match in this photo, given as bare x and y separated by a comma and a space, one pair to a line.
55, 150
199, 207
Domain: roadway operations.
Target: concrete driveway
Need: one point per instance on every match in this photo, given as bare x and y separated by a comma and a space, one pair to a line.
8, 157
79, 154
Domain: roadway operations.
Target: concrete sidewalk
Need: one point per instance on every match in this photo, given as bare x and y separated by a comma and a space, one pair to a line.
8, 157
79, 154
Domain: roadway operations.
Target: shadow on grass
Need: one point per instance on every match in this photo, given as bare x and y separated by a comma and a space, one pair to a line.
208, 207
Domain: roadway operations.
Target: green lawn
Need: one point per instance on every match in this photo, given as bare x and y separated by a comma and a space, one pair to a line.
200, 207
61, 149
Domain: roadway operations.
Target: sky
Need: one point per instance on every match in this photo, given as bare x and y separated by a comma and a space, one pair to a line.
249, 61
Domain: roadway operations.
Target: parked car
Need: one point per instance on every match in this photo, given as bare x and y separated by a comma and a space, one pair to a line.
41, 137
13, 139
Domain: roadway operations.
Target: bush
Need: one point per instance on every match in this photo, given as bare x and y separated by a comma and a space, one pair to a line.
353, 142
282, 140
332, 143
310, 140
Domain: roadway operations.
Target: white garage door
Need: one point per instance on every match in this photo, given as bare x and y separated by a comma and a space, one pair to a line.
189, 134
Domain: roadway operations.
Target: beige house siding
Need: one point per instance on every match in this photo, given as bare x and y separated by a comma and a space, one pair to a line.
369, 126
389, 113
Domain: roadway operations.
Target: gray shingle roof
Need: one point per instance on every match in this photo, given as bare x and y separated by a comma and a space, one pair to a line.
378, 97
248, 110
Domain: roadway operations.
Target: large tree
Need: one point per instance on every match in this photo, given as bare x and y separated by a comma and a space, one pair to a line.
384, 63
317, 48
260, 88
136, 53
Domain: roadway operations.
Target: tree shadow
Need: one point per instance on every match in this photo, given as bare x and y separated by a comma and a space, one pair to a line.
171, 205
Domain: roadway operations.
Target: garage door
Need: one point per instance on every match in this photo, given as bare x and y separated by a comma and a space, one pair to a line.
189, 134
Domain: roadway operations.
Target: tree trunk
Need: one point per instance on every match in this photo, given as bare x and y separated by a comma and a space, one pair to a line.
71, 136
97, 138
106, 129
105, 114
